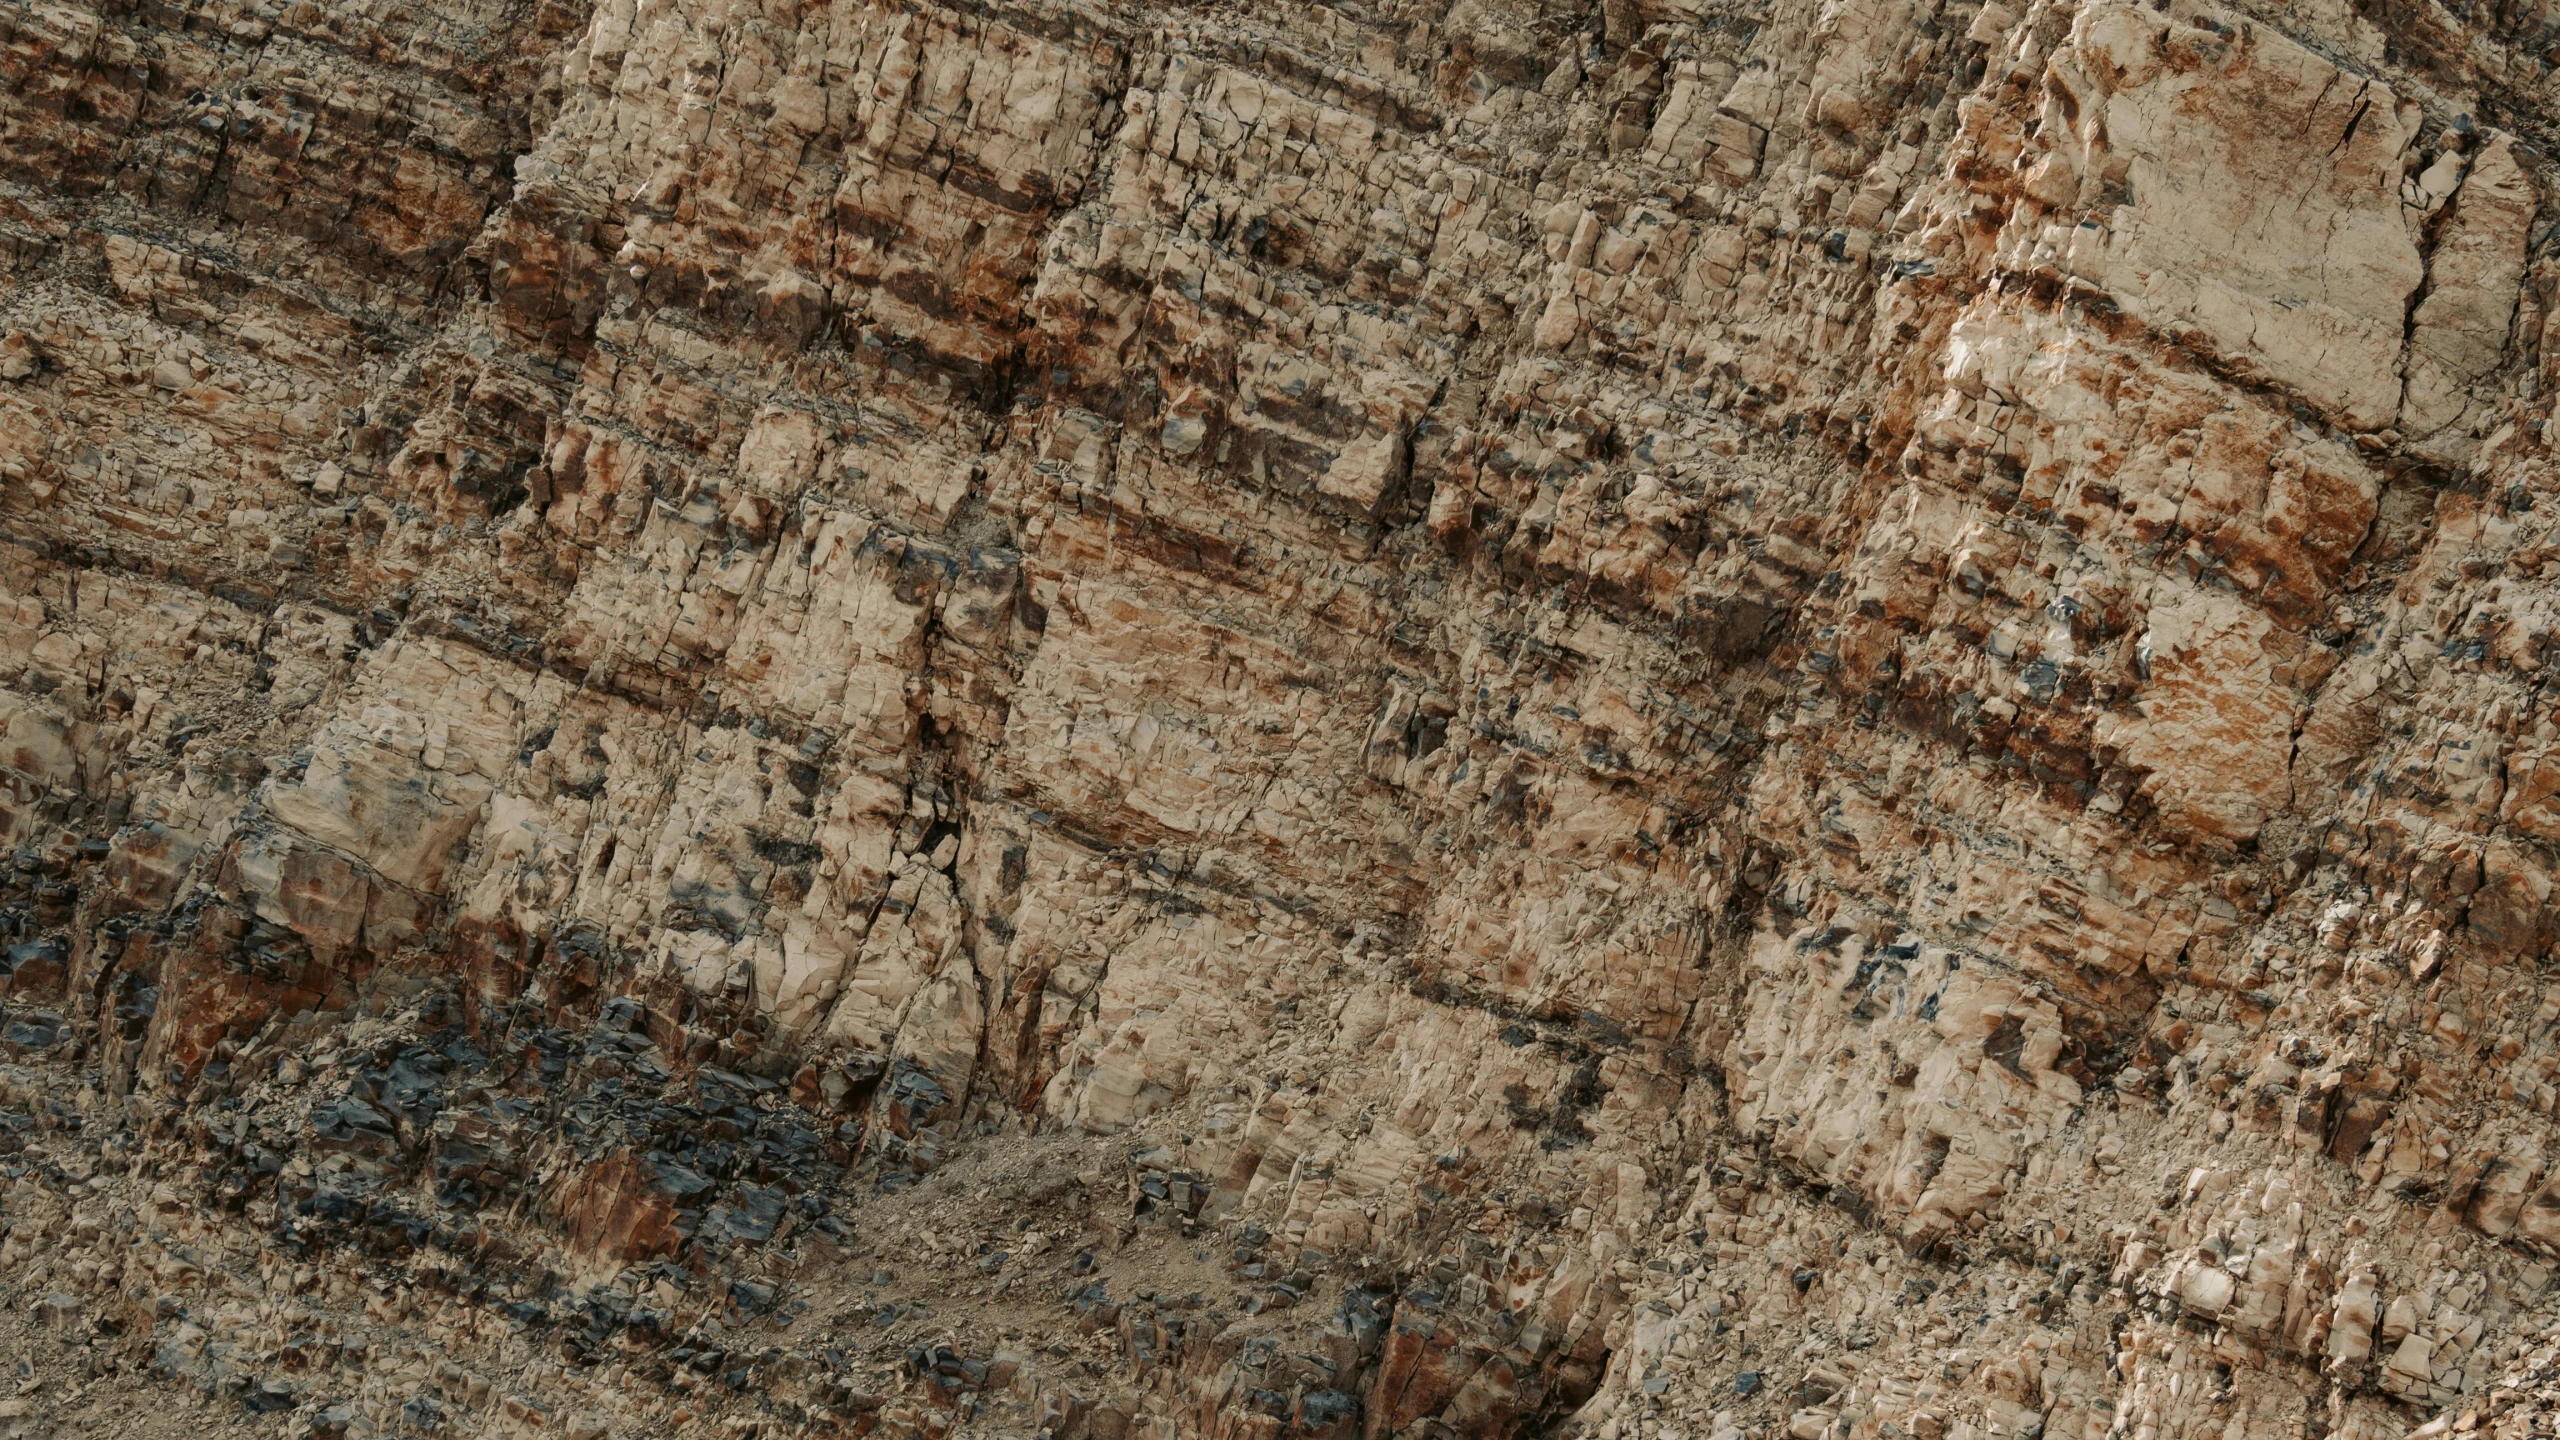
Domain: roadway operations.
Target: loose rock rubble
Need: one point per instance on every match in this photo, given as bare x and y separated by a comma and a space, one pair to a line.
1657, 720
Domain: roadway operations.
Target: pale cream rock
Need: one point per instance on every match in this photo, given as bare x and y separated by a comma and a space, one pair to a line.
2216, 731
2286, 255
2459, 332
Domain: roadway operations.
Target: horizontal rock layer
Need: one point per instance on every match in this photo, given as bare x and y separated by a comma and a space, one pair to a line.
1705, 719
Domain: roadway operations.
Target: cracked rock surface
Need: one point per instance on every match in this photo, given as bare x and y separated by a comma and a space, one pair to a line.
1399, 720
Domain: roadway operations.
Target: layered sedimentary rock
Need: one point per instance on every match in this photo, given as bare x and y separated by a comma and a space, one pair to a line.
1690, 719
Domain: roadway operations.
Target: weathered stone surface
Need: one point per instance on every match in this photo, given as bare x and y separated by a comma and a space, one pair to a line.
1674, 720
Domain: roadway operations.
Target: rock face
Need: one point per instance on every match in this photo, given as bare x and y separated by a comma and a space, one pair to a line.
1684, 720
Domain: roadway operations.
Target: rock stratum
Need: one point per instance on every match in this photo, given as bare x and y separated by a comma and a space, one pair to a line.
1667, 720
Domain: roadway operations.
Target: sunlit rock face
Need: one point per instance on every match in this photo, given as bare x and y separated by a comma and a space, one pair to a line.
1684, 720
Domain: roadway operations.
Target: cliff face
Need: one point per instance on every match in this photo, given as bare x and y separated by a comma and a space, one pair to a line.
1683, 719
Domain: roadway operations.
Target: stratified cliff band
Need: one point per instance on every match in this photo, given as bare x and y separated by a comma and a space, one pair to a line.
1656, 720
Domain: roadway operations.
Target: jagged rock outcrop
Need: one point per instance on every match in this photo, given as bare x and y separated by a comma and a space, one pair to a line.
1677, 720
